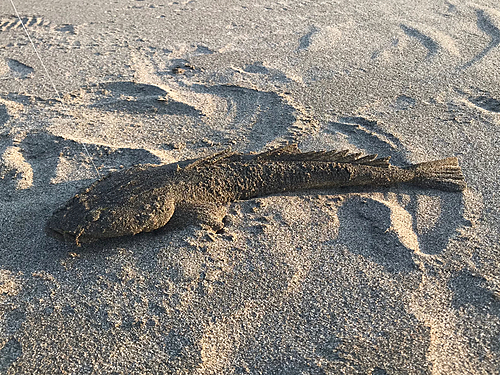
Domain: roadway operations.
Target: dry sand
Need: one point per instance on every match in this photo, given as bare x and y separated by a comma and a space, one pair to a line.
374, 281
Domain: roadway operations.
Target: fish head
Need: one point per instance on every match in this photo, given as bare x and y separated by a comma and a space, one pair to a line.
87, 218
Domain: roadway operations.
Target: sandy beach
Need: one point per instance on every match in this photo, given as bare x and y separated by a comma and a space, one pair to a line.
392, 280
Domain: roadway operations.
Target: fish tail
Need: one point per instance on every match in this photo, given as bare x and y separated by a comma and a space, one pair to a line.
444, 174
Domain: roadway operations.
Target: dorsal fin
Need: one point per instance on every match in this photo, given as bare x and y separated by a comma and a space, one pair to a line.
226, 155
278, 153
380, 162
292, 153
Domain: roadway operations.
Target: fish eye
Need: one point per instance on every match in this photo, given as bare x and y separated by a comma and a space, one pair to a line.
93, 215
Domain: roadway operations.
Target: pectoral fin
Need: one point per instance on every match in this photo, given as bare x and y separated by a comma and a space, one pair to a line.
207, 214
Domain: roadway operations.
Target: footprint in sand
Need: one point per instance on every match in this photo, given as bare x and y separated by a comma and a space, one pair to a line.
470, 291
489, 23
137, 98
380, 230
486, 102
420, 221
10, 68
41, 159
318, 39
431, 46
156, 115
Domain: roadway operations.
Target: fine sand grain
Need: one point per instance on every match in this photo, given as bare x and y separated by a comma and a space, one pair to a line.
371, 281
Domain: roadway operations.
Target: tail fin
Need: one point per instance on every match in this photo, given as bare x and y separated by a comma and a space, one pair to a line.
444, 174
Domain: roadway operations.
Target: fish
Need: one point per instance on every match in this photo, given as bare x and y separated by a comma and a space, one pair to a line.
146, 197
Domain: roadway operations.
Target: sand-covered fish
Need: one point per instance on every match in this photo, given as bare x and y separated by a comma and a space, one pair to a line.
147, 197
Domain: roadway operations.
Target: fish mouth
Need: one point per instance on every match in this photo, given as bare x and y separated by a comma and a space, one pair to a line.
60, 234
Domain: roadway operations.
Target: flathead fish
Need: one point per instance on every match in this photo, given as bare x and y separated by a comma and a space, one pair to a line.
147, 197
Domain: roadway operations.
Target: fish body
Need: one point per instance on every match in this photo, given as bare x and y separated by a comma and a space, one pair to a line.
145, 198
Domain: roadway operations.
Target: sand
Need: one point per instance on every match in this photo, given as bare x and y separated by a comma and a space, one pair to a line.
395, 280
